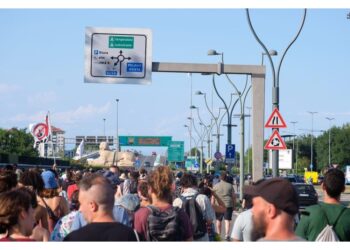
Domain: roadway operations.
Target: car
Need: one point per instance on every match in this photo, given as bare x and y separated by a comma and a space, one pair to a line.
294, 178
147, 164
307, 194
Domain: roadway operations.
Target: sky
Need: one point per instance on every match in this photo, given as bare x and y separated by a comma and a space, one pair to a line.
42, 69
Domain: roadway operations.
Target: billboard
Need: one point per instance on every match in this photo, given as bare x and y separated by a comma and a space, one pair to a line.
285, 159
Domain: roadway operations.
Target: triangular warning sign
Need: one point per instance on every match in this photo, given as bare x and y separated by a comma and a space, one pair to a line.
275, 142
275, 120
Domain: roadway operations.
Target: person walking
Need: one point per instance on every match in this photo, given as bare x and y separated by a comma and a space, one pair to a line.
227, 194
96, 199
56, 206
330, 211
161, 221
275, 203
243, 225
189, 186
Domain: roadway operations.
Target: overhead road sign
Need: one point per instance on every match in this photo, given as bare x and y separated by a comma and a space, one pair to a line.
275, 120
176, 151
275, 142
114, 55
151, 141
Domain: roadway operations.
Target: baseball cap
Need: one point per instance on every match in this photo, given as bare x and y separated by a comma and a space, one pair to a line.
277, 191
49, 180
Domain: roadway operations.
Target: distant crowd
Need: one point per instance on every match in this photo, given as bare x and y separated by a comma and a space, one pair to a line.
162, 205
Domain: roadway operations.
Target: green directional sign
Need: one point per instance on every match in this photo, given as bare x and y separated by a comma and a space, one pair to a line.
121, 42
176, 151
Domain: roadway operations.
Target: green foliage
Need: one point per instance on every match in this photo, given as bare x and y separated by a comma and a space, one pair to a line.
340, 148
17, 141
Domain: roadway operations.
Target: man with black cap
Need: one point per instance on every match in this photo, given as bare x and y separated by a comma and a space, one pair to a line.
275, 203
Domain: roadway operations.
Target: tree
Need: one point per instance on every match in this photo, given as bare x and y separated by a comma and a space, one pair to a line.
17, 141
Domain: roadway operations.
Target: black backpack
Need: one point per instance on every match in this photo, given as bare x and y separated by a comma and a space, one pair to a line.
194, 212
164, 225
133, 187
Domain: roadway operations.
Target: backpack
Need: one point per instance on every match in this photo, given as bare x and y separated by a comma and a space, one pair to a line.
195, 214
328, 234
164, 225
133, 187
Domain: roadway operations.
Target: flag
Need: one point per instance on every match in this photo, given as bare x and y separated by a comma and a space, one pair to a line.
48, 124
41, 131
80, 149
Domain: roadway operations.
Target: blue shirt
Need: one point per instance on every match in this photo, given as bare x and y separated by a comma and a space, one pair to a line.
119, 213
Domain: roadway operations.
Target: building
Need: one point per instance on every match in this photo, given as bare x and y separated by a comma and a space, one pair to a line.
55, 147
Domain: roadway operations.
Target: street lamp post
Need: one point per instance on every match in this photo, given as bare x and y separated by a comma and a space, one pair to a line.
295, 154
312, 135
329, 140
104, 127
117, 139
201, 138
271, 53
249, 108
229, 118
275, 88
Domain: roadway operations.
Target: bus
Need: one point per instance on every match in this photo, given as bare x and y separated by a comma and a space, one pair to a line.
347, 175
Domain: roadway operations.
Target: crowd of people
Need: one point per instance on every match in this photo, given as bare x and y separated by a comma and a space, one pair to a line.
161, 205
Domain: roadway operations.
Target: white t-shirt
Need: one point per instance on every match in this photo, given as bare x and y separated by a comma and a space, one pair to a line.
243, 226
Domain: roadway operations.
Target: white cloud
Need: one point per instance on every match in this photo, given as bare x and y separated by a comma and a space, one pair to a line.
8, 88
42, 98
65, 117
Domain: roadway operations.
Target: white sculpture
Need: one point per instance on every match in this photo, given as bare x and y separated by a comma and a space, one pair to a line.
109, 158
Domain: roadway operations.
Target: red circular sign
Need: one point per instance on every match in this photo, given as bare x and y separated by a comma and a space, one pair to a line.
40, 131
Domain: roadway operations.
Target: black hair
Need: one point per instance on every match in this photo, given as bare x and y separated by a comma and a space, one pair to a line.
188, 180
334, 182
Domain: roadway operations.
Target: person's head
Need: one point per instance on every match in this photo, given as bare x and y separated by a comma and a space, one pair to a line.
161, 183
115, 169
17, 211
8, 180
96, 196
142, 191
248, 201
274, 200
74, 202
203, 189
50, 184
31, 178
188, 180
223, 175
134, 175
143, 171
77, 176
334, 183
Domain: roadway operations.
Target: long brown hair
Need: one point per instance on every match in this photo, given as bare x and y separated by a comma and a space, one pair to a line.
160, 181
12, 203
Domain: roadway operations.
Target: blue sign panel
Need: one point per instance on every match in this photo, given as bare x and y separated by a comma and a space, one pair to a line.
230, 153
134, 67
111, 73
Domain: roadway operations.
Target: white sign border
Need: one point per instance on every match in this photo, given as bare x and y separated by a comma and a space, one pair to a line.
88, 78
